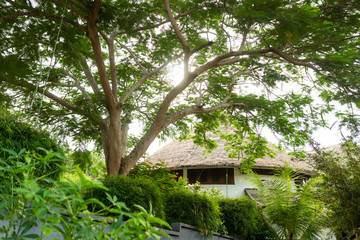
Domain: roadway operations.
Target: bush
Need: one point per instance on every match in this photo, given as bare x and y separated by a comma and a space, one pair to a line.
130, 191
18, 137
241, 218
194, 209
159, 174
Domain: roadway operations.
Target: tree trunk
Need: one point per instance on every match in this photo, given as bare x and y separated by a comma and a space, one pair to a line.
111, 140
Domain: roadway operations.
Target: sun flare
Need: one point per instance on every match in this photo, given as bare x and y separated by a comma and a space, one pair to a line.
175, 74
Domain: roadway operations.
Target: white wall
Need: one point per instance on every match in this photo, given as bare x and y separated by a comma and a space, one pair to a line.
242, 181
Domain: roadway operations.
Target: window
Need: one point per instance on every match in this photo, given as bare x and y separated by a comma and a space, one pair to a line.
211, 176
178, 173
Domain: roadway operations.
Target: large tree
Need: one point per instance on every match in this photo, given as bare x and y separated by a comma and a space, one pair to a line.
103, 64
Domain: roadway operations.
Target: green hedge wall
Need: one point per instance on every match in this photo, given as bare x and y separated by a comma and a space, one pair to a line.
241, 219
131, 192
194, 209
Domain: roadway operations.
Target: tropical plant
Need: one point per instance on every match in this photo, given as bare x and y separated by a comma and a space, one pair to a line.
18, 137
99, 66
292, 212
340, 187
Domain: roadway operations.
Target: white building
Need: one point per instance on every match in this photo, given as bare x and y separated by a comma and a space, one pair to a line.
217, 169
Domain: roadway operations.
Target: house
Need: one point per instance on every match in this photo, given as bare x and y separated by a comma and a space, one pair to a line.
218, 170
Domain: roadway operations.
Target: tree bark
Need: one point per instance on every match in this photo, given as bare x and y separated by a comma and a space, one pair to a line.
111, 140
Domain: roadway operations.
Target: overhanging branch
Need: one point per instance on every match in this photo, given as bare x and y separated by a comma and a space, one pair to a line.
173, 117
50, 95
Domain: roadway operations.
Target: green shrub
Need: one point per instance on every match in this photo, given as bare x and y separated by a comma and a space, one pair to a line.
18, 137
194, 209
241, 218
159, 174
130, 191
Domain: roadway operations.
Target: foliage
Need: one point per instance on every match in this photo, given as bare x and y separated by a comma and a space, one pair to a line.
130, 191
159, 174
212, 192
241, 218
291, 212
91, 162
340, 186
13, 170
18, 137
238, 57
62, 209
194, 209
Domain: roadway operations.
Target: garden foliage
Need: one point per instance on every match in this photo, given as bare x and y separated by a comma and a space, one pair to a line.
62, 209
340, 187
159, 174
241, 219
18, 137
291, 212
194, 209
130, 191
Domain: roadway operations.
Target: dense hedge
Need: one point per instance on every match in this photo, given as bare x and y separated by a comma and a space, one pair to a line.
131, 192
194, 209
16, 135
241, 219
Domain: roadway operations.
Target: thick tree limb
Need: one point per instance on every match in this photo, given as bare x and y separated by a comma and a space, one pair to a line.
96, 46
151, 134
289, 58
176, 28
173, 117
221, 60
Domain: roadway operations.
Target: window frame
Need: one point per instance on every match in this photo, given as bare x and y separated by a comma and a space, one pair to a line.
208, 173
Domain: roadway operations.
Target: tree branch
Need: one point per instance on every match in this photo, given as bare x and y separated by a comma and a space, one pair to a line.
111, 50
220, 60
324, 42
173, 117
90, 78
176, 28
61, 3
50, 95
96, 46
78, 3
142, 80
201, 47
142, 68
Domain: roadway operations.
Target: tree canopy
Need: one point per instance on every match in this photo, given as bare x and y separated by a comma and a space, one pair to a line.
101, 65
